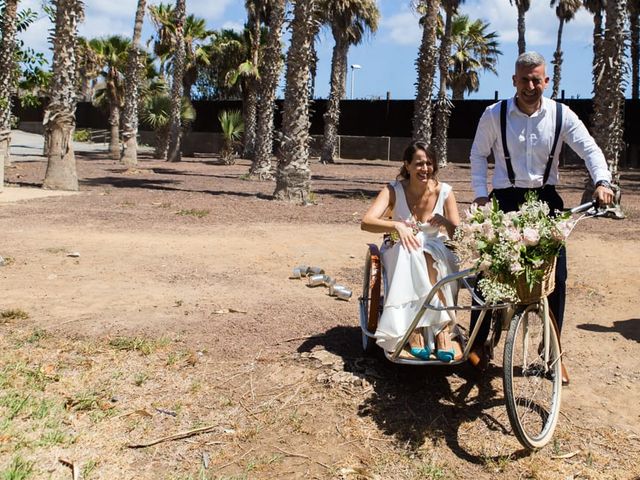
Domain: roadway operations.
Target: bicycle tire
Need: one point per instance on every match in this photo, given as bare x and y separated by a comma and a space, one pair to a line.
371, 299
532, 386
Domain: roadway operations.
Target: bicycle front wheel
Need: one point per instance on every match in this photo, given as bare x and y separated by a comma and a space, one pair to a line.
532, 376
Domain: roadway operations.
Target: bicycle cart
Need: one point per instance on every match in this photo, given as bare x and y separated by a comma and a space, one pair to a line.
532, 358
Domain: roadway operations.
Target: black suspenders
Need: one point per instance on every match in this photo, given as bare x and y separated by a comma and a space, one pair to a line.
505, 149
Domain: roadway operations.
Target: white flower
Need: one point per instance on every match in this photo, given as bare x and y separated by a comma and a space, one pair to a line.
515, 267
512, 234
531, 236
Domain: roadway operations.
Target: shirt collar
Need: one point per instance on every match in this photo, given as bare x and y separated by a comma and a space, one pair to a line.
542, 111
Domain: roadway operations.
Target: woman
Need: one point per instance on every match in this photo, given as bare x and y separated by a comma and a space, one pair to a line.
424, 215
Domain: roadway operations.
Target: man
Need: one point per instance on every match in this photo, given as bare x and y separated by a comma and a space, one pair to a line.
525, 134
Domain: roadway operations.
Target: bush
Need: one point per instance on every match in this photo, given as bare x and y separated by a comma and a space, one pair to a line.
82, 135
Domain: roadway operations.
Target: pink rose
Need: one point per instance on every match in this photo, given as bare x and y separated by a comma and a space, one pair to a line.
530, 236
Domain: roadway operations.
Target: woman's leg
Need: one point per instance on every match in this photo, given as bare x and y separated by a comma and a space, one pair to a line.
443, 338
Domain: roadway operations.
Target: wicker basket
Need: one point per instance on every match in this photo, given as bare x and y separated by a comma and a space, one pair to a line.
546, 285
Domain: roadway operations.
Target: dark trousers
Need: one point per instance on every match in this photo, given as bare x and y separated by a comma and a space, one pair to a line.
509, 200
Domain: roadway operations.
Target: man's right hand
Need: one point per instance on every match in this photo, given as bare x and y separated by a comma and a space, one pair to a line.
480, 201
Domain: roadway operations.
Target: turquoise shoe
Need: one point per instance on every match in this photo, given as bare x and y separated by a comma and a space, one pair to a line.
445, 355
421, 353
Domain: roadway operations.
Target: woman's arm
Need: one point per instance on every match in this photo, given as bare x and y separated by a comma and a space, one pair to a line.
451, 217
372, 220
451, 214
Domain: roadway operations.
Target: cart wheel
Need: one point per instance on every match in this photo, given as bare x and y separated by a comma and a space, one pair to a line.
532, 385
371, 299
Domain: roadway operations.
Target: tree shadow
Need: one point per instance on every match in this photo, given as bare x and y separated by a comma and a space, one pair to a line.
629, 329
418, 404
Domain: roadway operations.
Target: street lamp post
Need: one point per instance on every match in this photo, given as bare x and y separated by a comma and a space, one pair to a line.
354, 67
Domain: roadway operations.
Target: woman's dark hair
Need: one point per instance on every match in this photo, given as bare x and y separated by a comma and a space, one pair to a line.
411, 149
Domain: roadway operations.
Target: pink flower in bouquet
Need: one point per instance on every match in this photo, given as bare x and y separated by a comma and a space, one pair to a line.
562, 230
484, 265
512, 234
530, 236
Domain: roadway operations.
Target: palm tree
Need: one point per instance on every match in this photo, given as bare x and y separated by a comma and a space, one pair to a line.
608, 99
443, 104
59, 118
175, 131
271, 67
293, 176
565, 11
426, 64
634, 26
232, 128
257, 13
523, 7
473, 49
349, 20
111, 56
195, 34
7, 71
596, 7
132, 78
156, 112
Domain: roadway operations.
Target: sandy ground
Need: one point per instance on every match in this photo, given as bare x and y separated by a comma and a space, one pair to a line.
197, 259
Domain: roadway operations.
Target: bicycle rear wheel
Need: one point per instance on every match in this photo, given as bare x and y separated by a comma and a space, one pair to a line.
532, 378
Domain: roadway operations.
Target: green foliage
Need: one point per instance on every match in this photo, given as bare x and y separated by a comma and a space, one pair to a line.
193, 213
232, 128
232, 125
82, 135
157, 111
473, 49
18, 469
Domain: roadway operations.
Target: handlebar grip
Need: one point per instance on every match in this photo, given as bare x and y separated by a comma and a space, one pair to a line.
584, 207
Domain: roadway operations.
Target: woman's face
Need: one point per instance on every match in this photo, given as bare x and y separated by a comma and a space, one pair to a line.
421, 166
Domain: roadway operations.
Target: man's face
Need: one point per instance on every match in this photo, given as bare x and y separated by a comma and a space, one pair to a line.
530, 83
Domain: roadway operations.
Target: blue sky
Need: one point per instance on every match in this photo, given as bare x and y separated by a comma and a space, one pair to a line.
387, 59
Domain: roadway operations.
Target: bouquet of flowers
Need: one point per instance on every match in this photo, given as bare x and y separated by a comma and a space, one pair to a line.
394, 238
507, 248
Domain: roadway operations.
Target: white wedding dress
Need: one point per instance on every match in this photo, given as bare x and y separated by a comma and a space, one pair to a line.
408, 281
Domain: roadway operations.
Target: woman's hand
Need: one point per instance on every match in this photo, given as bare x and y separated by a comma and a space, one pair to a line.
438, 220
407, 239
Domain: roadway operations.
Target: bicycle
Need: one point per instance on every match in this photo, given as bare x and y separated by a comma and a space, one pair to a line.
532, 359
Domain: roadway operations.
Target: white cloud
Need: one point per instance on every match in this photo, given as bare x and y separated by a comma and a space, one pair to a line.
402, 28
237, 26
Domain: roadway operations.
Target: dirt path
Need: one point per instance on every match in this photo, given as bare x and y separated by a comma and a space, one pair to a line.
178, 313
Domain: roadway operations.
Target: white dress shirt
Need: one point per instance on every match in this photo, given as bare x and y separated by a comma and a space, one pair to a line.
529, 140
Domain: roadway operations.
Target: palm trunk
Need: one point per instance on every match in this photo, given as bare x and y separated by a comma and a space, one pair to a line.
609, 93
271, 67
426, 64
338, 87
59, 119
293, 176
634, 26
597, 43
443, 105
132, 77
522, 46
458, 93
7, 70
114, 123
557, 61
250, 109
175, 128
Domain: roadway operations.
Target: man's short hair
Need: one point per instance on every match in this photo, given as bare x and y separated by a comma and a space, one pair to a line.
529, 60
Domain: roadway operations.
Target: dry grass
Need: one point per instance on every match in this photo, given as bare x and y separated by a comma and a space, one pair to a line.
263, 418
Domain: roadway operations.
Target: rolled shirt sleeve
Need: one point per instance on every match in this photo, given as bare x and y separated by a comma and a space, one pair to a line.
480, 150
582, 143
